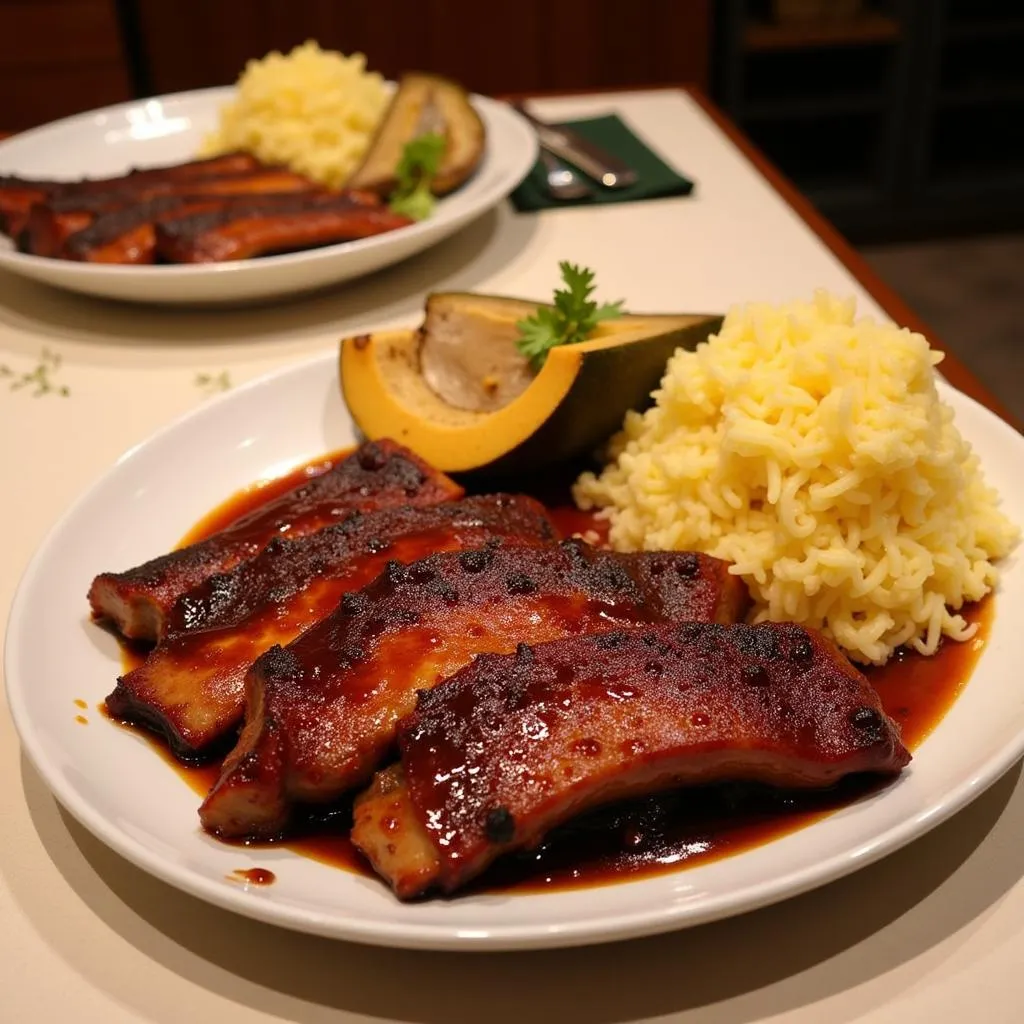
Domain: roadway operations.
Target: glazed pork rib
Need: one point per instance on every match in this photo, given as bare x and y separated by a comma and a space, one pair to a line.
379, 474
191, 687
19, 195
233, 233
321, 713
191, 170
53, 223
514, 745
128, 235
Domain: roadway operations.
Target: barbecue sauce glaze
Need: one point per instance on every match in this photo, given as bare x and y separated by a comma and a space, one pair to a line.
642, 837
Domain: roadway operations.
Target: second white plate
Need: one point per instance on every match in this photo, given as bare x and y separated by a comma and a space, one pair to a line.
114, 783
169, 129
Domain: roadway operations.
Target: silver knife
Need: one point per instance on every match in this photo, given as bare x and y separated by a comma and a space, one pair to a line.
604, 167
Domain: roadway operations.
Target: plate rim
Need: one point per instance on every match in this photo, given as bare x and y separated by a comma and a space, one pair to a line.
487, 107
411, 935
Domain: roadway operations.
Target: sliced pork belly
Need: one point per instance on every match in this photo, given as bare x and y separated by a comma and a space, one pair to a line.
51, 224
378, 474
18, 195
514, 745
128, 234
236, 232
224, 165
321, 713
191, 687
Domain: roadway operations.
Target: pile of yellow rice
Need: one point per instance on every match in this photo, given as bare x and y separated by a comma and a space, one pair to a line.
312, 110
812, 450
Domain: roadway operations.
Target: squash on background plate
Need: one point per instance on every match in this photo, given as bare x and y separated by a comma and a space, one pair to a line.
459, 393
424, 103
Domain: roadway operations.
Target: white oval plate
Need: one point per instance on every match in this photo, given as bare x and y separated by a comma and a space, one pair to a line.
113, 782
171, 128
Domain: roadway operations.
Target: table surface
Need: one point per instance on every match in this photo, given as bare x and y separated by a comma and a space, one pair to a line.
932, 933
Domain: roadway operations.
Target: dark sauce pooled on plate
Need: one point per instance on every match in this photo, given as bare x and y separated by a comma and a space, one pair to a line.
642, 837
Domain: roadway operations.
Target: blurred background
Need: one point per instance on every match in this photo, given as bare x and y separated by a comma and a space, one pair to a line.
902, 120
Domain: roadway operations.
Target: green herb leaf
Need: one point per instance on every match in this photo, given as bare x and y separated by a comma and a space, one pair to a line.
416, 170
572, 320
417, 205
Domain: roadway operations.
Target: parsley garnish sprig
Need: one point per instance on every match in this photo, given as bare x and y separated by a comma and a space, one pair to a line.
574, 316
415, 172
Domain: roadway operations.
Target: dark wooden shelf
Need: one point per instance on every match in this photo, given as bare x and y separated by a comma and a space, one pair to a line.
984, 29
820, 105
982, 95
863, 30
991, 182
898, 122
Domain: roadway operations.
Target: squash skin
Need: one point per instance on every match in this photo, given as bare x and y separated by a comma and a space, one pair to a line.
588, 416
573, 406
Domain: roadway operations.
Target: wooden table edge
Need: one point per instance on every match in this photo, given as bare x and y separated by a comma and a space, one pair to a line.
952, 368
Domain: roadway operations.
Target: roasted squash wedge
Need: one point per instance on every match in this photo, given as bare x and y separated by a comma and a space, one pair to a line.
424, 103
458, 392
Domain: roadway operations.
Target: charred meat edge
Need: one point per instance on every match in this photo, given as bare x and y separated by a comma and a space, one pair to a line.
378, 474
191, 687
515, 745
321, 712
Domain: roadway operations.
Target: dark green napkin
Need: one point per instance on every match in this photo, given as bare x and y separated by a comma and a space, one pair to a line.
657, 179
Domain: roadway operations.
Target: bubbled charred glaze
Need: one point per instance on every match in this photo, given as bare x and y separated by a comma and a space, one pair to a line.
416, 624
378, 474
513, 745
190, 688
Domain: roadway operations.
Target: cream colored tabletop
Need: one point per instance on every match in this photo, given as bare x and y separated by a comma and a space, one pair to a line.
933, 933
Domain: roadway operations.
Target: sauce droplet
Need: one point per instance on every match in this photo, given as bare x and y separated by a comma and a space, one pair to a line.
252, 876
81, 720
79, 703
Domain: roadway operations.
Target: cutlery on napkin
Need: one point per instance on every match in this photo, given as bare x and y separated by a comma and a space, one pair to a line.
655, 179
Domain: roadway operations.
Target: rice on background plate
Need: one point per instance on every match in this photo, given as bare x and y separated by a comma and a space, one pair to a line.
315, 111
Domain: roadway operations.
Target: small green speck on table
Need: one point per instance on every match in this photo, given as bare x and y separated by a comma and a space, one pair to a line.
212, 383
38, 381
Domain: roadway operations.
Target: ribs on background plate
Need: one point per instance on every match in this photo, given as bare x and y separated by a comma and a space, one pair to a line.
224, 208
19, 195
54, 223
242, 231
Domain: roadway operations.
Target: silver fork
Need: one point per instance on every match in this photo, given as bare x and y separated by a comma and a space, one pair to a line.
562, 181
